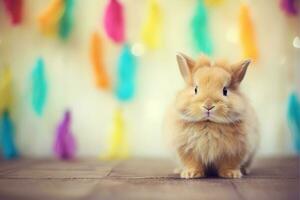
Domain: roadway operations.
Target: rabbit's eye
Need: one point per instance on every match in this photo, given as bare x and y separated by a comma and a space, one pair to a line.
196, 89
225, 91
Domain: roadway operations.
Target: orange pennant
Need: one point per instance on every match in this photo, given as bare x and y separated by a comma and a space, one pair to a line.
96, 56
49, 18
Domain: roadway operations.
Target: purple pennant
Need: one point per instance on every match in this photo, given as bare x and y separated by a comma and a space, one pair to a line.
65, 145
289, 7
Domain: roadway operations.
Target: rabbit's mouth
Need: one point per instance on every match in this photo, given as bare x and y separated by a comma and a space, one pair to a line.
211, 116
208, 118
208, 113
200, 116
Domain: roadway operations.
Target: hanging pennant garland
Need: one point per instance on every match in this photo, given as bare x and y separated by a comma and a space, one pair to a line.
66, 21
14, 9
289, 7
200, 30
126, 74
294, 118
247, 34
39, 86
151, 31
114, 24
49, 18
118, 146
64, 144
5, 89
7, 132
96, 56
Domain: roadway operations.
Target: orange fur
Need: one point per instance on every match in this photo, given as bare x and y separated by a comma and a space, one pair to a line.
226, 137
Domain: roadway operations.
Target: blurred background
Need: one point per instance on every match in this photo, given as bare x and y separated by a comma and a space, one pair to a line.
104, 71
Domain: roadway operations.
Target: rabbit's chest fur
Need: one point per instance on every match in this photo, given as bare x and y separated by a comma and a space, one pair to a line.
210, 141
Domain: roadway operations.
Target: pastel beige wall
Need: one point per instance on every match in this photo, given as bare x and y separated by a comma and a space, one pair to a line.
71, 83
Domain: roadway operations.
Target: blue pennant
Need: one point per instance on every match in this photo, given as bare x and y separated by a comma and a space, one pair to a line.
126, 74
39, 87
7, 130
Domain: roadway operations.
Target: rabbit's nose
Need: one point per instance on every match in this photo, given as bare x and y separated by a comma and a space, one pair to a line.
208, 108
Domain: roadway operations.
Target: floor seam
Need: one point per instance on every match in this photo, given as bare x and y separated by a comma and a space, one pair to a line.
107, 176
237, 192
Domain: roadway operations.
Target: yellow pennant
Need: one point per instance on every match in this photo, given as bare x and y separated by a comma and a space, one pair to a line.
212, 3
151, 30
48, 19
118, 145
247, 34
5, 89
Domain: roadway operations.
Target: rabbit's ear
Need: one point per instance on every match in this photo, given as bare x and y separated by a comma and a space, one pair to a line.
186, 65
239, 71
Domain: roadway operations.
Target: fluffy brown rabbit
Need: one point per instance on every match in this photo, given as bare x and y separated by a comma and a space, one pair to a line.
211, 124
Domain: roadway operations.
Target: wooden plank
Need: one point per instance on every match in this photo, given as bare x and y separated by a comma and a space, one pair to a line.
7, 166
274, 178
78, 164
144, 168
12, 189
276, 167
262, 168
274, 189
143, 189
55, 169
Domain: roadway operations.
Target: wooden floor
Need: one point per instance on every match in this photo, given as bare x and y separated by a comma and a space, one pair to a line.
272, 178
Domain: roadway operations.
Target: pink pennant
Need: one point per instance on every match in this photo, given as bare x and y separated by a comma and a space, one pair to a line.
14, 9
114, 21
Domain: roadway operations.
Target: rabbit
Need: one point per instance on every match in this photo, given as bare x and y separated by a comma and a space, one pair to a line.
211, 124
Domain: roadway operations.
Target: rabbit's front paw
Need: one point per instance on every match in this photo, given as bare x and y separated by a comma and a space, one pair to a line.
191, 173
230, 173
